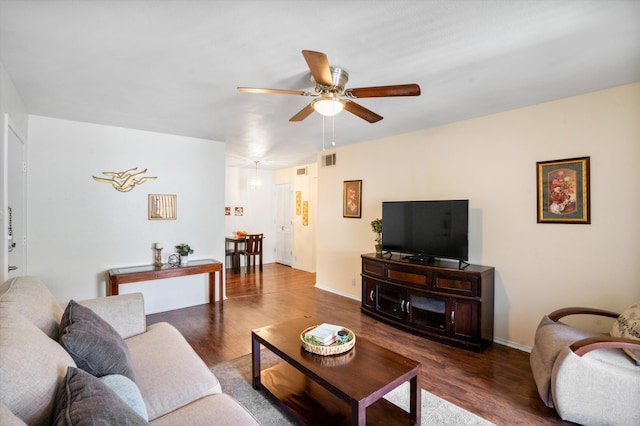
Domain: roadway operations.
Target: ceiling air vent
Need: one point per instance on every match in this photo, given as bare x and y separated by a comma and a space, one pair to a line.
329, 160
301, 171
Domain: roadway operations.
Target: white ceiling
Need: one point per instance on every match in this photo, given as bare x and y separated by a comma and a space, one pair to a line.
173, 66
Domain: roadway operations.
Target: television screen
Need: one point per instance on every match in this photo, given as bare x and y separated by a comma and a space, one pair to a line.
427, 229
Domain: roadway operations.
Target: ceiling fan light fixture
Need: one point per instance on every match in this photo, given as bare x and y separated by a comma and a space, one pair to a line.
328, 106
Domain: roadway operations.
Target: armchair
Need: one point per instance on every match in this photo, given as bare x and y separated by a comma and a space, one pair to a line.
589, 377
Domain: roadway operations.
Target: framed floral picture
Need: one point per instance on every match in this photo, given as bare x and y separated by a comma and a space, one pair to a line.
563, 191
352, 199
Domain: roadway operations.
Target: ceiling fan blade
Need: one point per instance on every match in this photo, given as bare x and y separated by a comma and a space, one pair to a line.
303, 113
384, 91
319, 66
362, 112
273, 91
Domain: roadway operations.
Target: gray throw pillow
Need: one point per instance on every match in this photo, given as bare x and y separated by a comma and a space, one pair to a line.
83, 399
94, 345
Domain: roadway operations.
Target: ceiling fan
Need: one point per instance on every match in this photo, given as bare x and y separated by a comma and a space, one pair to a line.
330, 93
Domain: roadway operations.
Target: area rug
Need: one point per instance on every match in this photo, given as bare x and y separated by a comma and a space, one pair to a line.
235, 378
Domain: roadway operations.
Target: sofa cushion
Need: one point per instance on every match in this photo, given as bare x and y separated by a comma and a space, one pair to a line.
29, 296
124, 312
32, 365
83, 399
228, 412
628, 325
92, 343
127, 390
7, 418
169, 373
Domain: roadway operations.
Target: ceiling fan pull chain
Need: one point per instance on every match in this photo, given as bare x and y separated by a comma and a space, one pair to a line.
333, 131
323, 148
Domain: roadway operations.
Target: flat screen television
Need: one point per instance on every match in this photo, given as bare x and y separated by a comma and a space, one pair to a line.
426, 230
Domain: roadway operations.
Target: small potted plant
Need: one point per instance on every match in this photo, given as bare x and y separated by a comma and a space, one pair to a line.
376, 226
184, 251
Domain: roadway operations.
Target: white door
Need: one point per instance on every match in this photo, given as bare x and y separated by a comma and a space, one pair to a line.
284, 223
16, 235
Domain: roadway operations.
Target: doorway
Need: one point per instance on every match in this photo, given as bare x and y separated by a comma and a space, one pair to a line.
284, 224
14, 229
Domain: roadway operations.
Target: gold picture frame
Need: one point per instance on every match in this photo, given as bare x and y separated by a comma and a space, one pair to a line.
163, 206
298, 201
352, 199
563, 191
305, 213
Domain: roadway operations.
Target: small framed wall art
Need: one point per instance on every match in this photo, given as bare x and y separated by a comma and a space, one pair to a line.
563, 191
305, 213
162, 206
352, 199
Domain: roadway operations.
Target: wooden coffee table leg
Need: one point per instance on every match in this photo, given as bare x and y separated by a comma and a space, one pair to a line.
255, 361
415, 402
358, 413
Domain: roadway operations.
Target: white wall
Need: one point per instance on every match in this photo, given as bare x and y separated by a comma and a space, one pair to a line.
259, 207
492, 162
80, 228
11, 104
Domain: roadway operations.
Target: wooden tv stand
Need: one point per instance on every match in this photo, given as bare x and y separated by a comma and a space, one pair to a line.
435, 300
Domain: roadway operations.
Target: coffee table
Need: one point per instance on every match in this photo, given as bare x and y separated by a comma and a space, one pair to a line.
336, 389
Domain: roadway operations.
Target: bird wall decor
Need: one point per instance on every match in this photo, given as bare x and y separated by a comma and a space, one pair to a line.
125, 181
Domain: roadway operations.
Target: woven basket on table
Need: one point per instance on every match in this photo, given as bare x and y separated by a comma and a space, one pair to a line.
333, 349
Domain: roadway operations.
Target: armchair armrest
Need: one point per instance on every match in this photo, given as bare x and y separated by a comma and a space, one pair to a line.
589, 344
556, 315
124, 312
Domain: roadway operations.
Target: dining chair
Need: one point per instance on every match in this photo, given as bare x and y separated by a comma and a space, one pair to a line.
234, 248
230, 253
253, 248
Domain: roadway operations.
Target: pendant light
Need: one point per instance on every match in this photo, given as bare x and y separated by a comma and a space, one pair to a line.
256, 182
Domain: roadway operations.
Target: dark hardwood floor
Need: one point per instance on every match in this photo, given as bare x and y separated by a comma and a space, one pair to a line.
496, 384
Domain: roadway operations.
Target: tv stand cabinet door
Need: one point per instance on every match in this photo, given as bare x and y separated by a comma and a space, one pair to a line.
464, 320
428, 312
368, 293
391, 301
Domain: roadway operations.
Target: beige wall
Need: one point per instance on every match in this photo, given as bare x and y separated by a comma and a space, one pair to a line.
492, 162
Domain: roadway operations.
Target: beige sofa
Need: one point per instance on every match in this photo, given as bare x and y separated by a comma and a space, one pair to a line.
176, 386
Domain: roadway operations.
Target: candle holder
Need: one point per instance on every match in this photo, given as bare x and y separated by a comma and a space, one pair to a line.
158, 262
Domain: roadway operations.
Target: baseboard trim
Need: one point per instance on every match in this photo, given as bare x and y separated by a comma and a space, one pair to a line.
512, 344
339, 293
